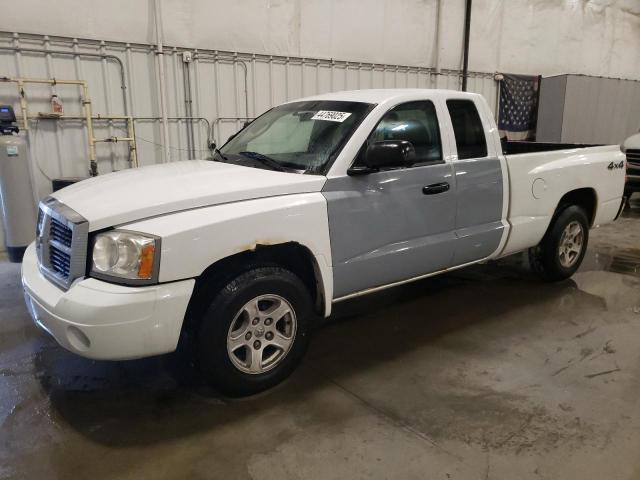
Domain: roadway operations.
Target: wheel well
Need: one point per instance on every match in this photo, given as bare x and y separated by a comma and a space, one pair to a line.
582, 197
291, 255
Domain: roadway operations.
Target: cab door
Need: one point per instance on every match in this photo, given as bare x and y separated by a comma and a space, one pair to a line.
394, 224
479, 185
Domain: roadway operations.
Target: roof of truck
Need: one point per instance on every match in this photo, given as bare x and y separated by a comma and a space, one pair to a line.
384, 94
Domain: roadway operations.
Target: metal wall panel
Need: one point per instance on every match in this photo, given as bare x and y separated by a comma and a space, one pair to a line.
226, 88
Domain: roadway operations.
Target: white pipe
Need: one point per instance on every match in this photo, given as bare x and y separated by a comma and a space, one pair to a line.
161, 80
438, 39
108, 104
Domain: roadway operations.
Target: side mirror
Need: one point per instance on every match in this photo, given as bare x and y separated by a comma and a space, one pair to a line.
385, 154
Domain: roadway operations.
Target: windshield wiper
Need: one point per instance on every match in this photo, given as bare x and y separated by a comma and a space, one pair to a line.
268, 161
217, 150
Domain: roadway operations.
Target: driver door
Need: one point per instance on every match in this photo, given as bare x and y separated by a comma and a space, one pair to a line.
393, 225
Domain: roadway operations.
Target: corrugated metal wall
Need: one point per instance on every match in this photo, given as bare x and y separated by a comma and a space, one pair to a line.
225, 88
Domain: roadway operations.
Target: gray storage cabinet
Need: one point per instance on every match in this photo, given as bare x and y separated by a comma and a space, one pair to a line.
583, 109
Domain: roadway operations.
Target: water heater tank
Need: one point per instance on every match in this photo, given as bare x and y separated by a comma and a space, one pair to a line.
16, 193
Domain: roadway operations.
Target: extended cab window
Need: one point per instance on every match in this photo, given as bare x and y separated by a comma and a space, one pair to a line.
415, 122
467, 128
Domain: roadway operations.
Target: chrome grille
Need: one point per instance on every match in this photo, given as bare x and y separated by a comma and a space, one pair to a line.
633, 162
61, 242
60, 233
60, 261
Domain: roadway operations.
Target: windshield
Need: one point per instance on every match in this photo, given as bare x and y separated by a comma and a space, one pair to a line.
302, 136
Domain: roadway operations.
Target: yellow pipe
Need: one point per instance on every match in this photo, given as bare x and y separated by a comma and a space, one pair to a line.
114, 139
23, 105
93, 164
128, 119
78, 117
88, 117
133, 149
49, 81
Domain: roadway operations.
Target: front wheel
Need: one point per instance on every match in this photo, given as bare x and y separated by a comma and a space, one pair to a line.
562, 249
255, 331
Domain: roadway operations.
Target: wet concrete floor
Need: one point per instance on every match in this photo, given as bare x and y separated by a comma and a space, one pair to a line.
482, 373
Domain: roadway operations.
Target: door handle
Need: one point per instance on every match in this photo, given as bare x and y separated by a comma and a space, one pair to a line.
435, 188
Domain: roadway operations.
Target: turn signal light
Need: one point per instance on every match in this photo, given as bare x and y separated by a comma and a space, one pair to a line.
145, 270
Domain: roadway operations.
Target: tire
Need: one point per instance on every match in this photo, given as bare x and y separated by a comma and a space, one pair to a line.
557, 257
240, 349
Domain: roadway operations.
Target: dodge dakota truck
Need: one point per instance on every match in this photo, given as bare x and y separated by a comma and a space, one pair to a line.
316, 201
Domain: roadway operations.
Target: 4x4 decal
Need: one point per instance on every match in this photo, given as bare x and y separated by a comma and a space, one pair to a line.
615, 166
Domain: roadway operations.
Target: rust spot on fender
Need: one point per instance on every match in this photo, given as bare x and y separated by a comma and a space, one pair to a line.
266, 242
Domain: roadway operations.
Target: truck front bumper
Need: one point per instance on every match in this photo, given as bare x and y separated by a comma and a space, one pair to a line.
104, 321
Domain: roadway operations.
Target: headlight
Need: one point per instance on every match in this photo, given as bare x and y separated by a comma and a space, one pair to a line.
127, 257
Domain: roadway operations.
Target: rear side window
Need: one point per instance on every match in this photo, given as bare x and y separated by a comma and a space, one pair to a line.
467, 127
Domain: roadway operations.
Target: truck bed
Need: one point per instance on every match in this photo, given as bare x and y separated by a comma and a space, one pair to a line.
539, 179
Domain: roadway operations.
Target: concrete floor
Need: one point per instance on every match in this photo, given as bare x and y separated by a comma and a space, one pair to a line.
485, 373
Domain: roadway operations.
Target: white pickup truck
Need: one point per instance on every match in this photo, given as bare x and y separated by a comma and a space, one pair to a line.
316, 201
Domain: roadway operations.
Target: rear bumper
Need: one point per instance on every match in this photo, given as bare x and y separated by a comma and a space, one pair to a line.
103, 321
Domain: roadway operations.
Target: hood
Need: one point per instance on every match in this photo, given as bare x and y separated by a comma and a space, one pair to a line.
131, 195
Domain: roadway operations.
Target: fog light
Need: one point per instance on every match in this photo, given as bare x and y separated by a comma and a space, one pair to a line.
77, 339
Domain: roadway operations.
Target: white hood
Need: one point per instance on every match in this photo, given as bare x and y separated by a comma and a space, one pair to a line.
127, 196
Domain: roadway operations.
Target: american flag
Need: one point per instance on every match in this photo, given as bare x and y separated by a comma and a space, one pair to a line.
518, 106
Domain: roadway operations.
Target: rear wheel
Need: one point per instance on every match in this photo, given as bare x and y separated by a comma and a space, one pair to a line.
255, 331
562, 249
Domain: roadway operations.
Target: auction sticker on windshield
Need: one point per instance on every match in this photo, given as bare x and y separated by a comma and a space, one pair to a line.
331, 116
